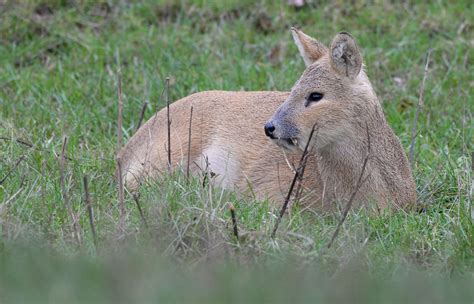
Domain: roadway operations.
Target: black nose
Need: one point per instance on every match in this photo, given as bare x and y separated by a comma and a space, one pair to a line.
269, 128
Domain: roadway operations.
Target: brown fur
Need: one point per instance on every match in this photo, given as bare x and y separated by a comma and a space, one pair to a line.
228, 136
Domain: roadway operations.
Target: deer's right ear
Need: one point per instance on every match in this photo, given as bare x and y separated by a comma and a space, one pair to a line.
310, 49
345, 56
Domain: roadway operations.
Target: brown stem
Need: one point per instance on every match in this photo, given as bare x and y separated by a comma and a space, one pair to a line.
120, 114
168, 120
359, 183
142, 215
119, 146
13, 169
142, 114
298, 175
189, 142
234, 221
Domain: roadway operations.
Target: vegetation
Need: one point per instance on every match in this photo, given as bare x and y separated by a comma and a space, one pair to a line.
58, 78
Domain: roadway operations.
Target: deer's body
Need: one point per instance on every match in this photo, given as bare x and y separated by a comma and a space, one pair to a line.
228, 139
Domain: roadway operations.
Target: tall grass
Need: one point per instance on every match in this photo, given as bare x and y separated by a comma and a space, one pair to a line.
58, 64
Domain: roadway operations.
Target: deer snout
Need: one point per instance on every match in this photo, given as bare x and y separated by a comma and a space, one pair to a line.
269, 129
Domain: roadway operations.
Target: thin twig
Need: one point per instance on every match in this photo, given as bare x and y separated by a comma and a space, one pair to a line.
142, 114
189, 142
142, 215
13, 169
121, 194
168, 120
90, 212
12, 198
297, 175
19, 140
234, 221
359, 183
119, 146
120, 112
67, 203
417, 113
30, 145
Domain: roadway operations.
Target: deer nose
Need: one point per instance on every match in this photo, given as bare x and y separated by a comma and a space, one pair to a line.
269, 129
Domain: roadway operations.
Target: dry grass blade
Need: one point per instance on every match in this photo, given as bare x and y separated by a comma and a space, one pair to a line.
29, 145
234, 221
298, 175
168, 120
18, 140
13, 169
121, 195
120, 112
417, 113
90, 211
359, 183
142, 215
119, 146
142, 114
189, 143
62, 181
13, 197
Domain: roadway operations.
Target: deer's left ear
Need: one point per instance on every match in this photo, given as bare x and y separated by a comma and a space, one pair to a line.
310, 49
344, 55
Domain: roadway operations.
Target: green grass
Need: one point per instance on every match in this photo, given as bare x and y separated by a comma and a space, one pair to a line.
58, 64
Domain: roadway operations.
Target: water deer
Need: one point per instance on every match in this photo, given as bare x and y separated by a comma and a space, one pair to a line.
256, 139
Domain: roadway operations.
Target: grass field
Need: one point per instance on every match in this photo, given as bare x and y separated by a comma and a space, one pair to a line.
58, 78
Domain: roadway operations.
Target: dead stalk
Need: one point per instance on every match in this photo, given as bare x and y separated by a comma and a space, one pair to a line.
234, 221
90, 212
119, 146
168, 120
29, 145
359, 183
417, 113
298, 175
189, 143
142, 114
121, 194
120, 113
13, 169
142, 215
62, 181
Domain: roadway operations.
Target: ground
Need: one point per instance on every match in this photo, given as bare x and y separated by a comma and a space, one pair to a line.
59, 62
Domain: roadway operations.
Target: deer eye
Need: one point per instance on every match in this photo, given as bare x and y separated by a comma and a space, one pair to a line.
314, 97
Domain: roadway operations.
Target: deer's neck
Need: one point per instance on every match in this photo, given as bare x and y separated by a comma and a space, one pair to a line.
340, 167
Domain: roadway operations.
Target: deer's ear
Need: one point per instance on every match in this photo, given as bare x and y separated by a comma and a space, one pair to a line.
344, 55
310, 49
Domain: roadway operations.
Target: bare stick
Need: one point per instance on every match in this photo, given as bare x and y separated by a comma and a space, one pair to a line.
234, 221
119, 146
19, 140
168, 119
359, 183
189, 142
142, 215
13, 169
90, 212
74, 222
120, 112
29, 145
121, 194
142, 114
417, 113
297, 175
